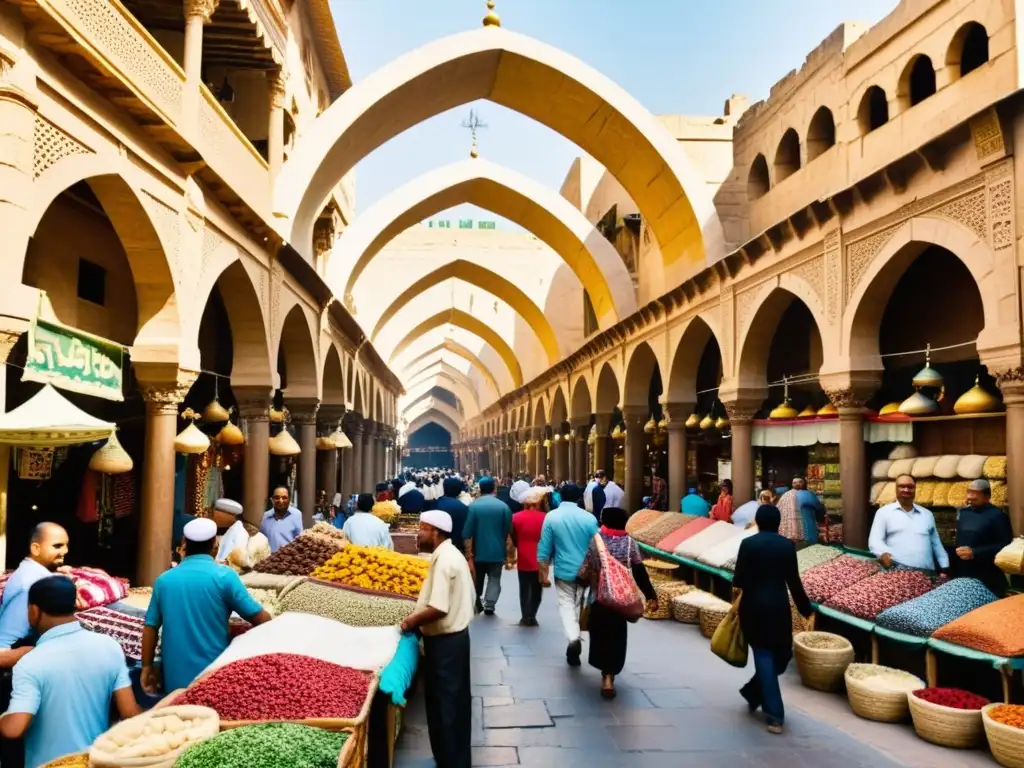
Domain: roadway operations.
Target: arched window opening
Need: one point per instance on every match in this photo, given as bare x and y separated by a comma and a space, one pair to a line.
821, 134
757, 181
873, 111
919, 81
787, 156
968, 50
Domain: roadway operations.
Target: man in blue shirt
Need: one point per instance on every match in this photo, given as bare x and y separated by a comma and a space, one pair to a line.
366, 529
485, 536
694, 504
63, 687
564, 540
46, 550
456, 509
193, 603
283, 522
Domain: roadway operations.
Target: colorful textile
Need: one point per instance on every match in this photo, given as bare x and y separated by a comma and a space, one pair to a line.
96, 587
792, 524
123, 627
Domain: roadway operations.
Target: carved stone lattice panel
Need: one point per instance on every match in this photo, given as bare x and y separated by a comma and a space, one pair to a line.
107, 28
968, 210
987, 134
51, 144
833, 267
728, 330
999, 204
167, 224
744, 310
276, 285
861, 253
813, 273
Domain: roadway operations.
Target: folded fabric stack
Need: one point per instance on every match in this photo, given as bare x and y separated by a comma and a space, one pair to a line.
126, 629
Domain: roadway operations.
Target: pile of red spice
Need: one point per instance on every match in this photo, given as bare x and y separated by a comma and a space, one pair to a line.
281, 686
956, 698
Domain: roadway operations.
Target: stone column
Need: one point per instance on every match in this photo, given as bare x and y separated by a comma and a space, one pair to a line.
539, 452
252, 407
635, 418
382, 451
1011, 384
327, 419
367, 479
558, 466
275, 130
604, 458
304, 415
197, 14
355, 433
156, 522
677, 414
8, 338
853, 468
580, 470
741, 415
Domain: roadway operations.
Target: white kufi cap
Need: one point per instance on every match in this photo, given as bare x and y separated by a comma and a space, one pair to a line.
230, 506
435, 517
204, 529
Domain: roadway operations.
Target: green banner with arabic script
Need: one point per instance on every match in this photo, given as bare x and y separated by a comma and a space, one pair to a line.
74, 360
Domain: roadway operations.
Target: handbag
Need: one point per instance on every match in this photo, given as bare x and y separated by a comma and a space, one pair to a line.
616, 589
728, 642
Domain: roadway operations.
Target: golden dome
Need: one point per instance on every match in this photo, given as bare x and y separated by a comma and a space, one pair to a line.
283, 444
692, 421
721, 424
491, 19
918, 405
230, 434
807, 413
650, 426
976, 400
215, 411
890, 409
707, 423
783, 410
927, 377
828, 410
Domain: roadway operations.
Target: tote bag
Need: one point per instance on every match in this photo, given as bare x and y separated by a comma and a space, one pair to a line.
728, 643
616, 589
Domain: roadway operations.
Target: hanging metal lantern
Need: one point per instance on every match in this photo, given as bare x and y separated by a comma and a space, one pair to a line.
190, 440
111, 458
283, 444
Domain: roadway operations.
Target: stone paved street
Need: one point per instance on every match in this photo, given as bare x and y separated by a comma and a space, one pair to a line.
530, 709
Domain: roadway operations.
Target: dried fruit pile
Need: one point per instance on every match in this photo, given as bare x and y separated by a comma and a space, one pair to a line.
946, 603
657, 530
1008, 714
336, 601
387, 511
640, 519
269, 745
824, 581
994, 628
815, 555
956, 698
376, 569
160, 733
869, 597
281, 686
300, 557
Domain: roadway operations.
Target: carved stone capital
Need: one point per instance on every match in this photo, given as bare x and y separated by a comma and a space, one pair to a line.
369, 427
1011, 383
328, 417
276, 84
202, 9
741, 411
635, 416
848, 398
253, 403
164, 397
678, 413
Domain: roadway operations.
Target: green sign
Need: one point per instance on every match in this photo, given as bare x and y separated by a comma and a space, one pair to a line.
73, 360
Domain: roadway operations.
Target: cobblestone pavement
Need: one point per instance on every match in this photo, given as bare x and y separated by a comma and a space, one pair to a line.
530, 709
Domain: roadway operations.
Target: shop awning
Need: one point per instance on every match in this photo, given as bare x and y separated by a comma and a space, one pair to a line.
788, 434
49, 420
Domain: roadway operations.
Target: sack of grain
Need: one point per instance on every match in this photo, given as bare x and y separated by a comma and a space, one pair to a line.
678, 536
347, 605
718, 555
999, 497
714, 534
1010, 559
814, 555
925, 492
154, 739
903, 451
940, 496
880, 469
273, 581
876, 491
946, 467
901, 467
887, 495
995, 468
994, 628
957, 497
923, 615
924, 467
971, 467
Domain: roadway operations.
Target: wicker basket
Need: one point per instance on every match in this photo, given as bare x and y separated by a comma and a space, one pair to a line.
684, 612
1005, 741
665, 591
660, 571
822, 668
873, 704
711, 616
76, 758
946, 726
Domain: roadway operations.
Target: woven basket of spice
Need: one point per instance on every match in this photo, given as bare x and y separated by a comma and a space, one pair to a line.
880, 693
659, 570
1004, 729
665, 591
711, 616
948, 717
822, 659
686, 607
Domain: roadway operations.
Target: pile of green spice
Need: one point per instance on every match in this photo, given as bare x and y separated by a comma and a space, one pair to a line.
270, 745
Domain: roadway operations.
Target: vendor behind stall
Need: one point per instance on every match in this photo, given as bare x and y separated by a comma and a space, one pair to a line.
904, 533
982, 529
241, 545
192, 603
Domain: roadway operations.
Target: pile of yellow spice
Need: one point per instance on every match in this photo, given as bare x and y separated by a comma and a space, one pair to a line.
375, 568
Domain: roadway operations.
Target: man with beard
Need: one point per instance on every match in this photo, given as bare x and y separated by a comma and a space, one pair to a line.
47, 547
442, 615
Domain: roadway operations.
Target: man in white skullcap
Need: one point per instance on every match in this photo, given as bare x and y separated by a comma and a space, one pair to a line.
192, 603
442, 615
227, 514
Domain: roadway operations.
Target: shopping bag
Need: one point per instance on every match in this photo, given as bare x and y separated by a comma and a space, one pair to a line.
616, 589
728, 642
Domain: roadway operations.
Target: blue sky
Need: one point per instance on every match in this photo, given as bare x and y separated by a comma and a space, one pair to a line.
674, 56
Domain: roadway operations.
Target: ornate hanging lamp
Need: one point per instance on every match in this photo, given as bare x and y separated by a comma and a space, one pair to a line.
785, 409
111, 458
977, 399
190, 440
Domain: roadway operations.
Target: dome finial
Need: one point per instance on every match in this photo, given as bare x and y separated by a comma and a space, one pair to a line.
492, 19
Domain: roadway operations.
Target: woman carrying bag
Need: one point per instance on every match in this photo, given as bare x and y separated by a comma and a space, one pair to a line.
766, 574
613, 568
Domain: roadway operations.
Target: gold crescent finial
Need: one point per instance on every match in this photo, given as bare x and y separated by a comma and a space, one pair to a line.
492, 19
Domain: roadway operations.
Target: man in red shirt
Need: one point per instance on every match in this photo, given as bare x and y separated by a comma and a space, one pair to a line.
526, 529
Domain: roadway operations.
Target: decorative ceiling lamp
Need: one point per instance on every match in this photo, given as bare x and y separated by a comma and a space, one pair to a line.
618, 433
277, 416
215, 412
919, 404
663, 424
707, 423
547, 443
785, 409
692, 421
190, 440
827, 410
807, 413
977, 399
340, 439
230, 434
111, 458
592, 437
650, 426
721, 424
283, 444
557, 438
889, 409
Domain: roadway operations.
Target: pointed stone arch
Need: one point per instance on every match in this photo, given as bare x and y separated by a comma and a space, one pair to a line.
694, 337
559, 408
580, 403
540, 412
449, 380
450, 345
643, 362
296, 346
607, 392
333, 386
251, 364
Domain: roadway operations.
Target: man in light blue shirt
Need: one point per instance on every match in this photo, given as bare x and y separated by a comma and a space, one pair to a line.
63, 687
193, 603
904, 533
283, 522
564, 540
46, 551
366, 529
694, 504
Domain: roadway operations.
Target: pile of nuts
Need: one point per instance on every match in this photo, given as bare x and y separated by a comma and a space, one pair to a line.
377, 569
869, 597
334, 601
268, 745
156, 734
824, 581
300, 557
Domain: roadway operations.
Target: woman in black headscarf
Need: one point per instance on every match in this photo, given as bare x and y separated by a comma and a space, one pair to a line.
767, 574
